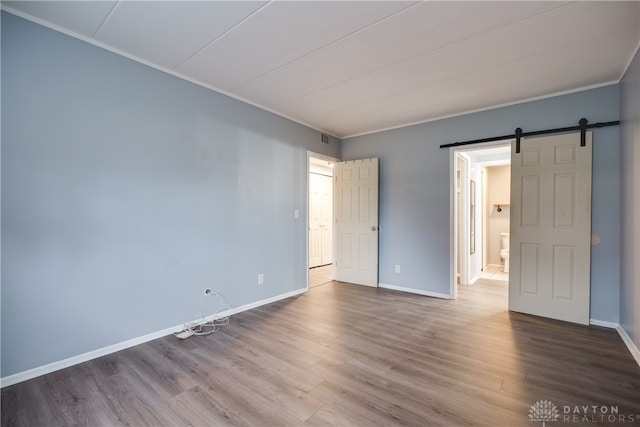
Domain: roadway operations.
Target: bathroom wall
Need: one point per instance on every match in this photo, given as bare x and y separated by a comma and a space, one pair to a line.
499, 189
479, 160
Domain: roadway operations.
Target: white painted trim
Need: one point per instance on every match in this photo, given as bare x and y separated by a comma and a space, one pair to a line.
315, 155
479, 110
453, 237
474, 279
596, 322
453, 206
414, 291
635, 352
155, 66
633, 349
85, 357
461, 220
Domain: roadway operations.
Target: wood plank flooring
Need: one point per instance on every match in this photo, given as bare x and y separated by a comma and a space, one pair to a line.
320, 275
347, 355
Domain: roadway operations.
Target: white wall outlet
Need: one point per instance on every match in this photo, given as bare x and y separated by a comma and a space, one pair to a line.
397, 269
207, 291
296, 213
260, 279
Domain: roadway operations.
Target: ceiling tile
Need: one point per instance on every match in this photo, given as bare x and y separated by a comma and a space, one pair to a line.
82, 17
424, 28
499, 46
168, 32
279, 33
455, 96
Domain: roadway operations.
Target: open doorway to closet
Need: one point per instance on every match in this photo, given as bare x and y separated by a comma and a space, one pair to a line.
321, 246
482, 201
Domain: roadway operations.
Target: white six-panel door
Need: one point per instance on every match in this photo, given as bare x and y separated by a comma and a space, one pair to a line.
320, 220
326, 220
550, 247
356, 215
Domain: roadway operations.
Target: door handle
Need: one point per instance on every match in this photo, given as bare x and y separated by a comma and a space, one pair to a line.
373, 228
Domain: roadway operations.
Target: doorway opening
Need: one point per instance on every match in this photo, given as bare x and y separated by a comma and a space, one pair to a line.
481, 198
320, 220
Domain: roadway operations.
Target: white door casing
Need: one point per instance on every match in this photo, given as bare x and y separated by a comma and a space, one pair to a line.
550, 247
356, 217
462, 218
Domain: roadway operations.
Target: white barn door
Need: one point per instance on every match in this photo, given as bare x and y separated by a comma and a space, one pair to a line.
550, 247
356, 215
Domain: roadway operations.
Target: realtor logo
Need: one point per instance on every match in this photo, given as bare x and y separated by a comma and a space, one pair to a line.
545, 411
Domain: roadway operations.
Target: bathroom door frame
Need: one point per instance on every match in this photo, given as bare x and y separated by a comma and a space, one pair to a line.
461, 218
454, 154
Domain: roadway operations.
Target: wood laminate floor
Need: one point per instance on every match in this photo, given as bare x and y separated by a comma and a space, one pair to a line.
347, 355
320, 275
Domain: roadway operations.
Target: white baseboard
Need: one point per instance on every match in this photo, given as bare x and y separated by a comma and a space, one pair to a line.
596, 322
85, 357
633, 349
635, 352
414, 291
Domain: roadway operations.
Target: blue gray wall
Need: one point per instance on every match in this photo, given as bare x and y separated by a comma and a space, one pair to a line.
414, 189
127, 191
630, 220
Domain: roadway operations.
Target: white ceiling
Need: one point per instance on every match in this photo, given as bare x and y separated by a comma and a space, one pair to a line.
353, 67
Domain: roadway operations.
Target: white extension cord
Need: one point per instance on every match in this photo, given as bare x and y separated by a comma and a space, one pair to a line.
206, 327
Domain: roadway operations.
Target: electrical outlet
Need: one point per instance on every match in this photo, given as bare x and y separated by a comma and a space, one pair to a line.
207, 291
397, 269
260, 279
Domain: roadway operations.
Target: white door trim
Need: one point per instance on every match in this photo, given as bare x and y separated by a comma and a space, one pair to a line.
463, 217
311, 154
453, 236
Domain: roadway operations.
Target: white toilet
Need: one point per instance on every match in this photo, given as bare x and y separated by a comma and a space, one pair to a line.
504, 250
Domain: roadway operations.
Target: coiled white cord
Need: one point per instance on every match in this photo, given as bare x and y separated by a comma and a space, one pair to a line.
209, 327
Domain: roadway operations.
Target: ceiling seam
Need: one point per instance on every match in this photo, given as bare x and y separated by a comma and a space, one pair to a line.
233, 27
326, 45
106, 18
